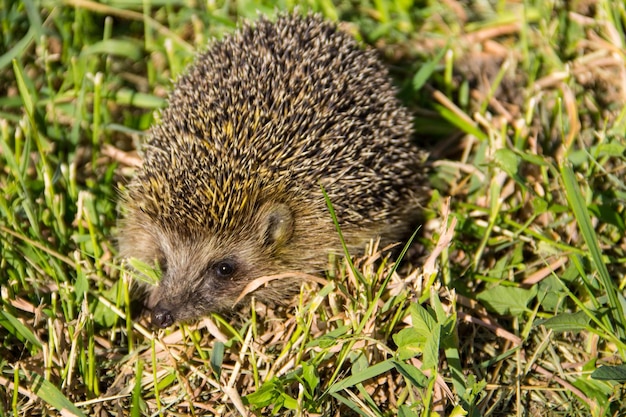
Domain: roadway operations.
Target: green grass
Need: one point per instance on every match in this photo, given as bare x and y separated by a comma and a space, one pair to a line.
516, 306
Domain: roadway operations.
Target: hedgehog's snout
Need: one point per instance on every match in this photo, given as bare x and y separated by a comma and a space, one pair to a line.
162, 317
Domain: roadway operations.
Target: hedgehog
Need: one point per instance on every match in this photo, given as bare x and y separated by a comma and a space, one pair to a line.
256, 131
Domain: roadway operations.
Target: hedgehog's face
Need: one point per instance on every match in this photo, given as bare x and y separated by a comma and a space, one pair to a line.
191, 289
205, 271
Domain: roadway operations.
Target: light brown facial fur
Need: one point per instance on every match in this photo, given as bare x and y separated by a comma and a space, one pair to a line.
230, 187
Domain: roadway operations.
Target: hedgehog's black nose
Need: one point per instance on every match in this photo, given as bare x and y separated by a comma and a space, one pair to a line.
162, 317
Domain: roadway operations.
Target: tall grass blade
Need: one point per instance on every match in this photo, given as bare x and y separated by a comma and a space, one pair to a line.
579, 207
49, 393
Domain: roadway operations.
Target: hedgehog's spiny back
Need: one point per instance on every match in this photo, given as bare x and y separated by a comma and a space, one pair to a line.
270, 113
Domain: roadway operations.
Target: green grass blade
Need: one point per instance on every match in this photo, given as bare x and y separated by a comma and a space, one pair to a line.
333, 215
18, 329
350, 404
18, 49
25, 91
461, 123
579, 207
135, 409
426, 70
51, 394
367, 373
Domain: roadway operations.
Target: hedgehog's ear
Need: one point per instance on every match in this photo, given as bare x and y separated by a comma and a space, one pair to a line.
276, 224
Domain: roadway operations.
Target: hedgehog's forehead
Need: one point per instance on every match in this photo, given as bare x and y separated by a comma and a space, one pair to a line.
198, 245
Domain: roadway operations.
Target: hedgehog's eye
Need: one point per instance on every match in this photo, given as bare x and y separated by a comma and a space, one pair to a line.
225, 269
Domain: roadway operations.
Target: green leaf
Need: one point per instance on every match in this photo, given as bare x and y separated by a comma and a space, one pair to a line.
35, 31
309, 375
413, 374
509, 161
34, 16
167, 380
217, 358
18, 48
288, 402
368, 373
610, 373
264, 396
439, 312
49, 393
579, 207
507, 300
16, 328
410, 343
125, 96
609, 213
24, 90
533, 159
540, 205
405, 411
149, 274
461, 123
610, 149
81, 285
550, 294
430, 359
568, 322
426, 70
114, 47
136, 404
423, 321
458, 411
598, 390
350, 404
330, 338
